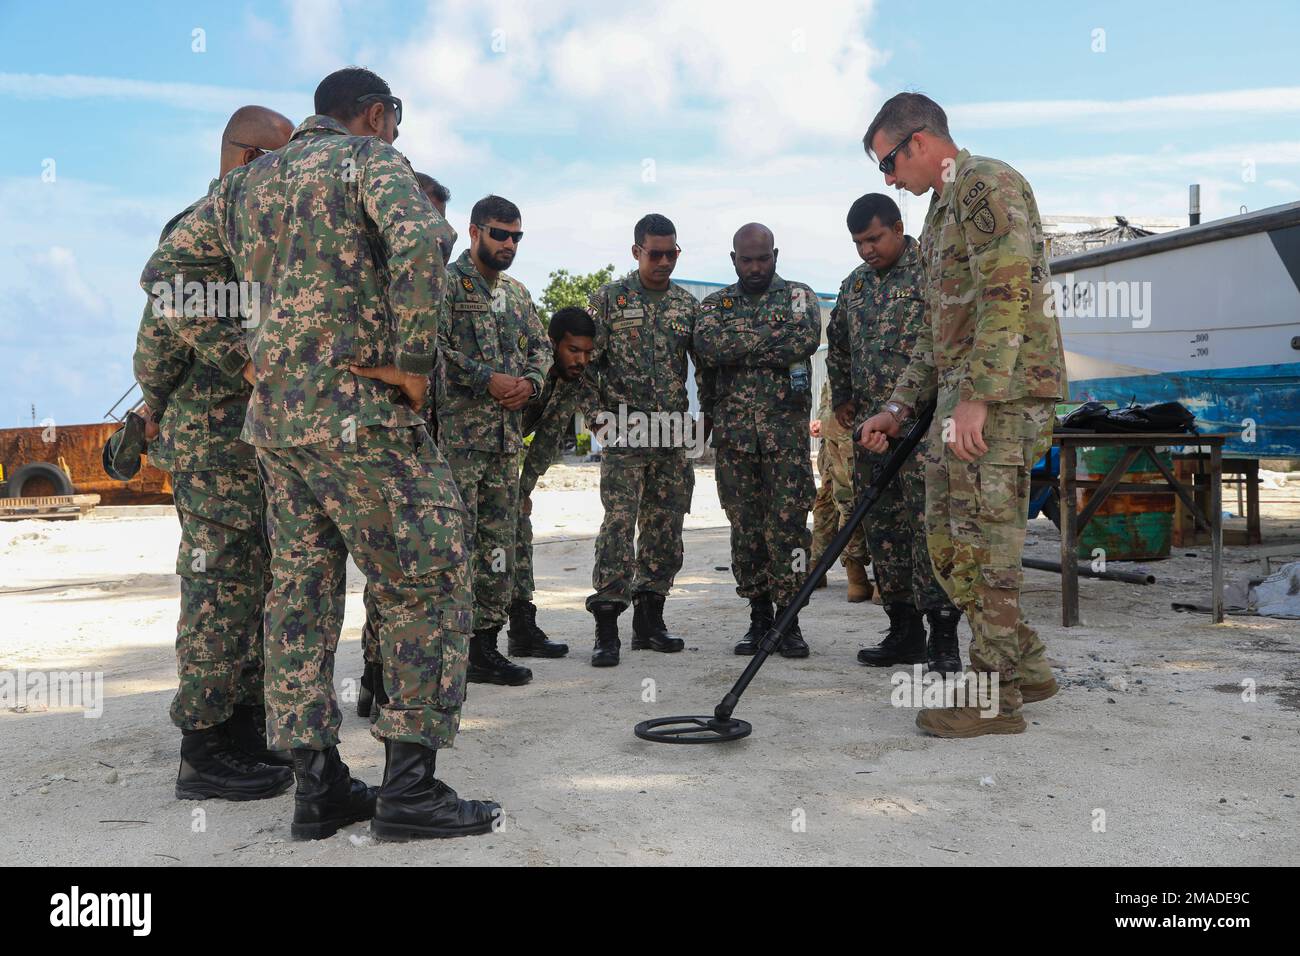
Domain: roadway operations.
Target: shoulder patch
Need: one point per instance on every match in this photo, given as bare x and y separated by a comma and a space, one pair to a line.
985, 221
857, 286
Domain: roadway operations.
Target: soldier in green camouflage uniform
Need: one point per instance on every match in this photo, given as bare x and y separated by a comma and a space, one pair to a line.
224, 558
345, 250
992, 354
754, 339
834, 502
495, 357
568, 391
878, 315
371, 695
644, 325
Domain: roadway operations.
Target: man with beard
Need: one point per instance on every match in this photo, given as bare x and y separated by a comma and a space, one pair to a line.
878, 316
755, 339
568, 390
495, 357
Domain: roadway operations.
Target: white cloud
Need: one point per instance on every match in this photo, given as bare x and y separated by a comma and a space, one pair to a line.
1149, 110
202, 97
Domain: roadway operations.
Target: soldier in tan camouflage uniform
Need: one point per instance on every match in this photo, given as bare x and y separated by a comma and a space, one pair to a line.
346, 252
754, 339
878, 316
991, 351
644, 325
834, 502
495, 357
224, 557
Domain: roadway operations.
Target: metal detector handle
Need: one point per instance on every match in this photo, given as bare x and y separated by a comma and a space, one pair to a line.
772, 640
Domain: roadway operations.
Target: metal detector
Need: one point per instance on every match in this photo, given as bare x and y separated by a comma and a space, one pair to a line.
722, 726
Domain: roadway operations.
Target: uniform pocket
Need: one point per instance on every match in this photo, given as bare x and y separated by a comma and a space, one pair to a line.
998, 482
429, 523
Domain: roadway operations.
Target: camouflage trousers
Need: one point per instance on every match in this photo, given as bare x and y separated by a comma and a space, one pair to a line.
975, 521
834, 502
646, 493
896, 534
523, 585
767, 495
489, 486
224, 566
389, 500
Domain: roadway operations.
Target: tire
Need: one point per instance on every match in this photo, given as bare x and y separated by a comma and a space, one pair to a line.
38, 469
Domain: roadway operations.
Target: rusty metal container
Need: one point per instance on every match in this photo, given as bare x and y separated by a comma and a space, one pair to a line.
77, 450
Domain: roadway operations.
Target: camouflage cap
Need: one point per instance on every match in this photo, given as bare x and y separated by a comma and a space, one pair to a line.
123, 449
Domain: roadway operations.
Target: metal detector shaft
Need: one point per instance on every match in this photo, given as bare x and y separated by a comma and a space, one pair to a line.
772, 640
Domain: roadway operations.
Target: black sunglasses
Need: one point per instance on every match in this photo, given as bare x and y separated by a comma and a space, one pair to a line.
388, 98
657, 254
500, 235
260, 150
887, 161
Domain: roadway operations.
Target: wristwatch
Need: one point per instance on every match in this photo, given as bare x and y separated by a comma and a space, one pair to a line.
901, 413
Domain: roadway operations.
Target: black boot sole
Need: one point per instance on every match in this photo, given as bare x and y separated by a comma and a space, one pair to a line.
324, 829
795, 655
211, 791
892, 662
746, 650
604, 662
476, 675
525, 650
405, 832
647, 645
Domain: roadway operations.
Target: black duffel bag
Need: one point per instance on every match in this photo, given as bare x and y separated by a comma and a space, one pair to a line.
1159, 417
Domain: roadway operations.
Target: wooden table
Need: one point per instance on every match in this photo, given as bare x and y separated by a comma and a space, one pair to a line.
1135, 445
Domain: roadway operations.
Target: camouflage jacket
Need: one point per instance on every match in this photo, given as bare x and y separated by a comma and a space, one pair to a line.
199, 407
486, 328
642, 346
877, 320
755, 351
546, 417
991, 334
345, 249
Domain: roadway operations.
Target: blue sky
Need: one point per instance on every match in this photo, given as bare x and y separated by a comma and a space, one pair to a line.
591, 114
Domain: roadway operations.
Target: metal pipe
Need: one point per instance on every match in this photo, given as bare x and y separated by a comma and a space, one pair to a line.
1128, 577
1194, 204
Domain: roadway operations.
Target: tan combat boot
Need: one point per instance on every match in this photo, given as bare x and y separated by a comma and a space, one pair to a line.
967, 722
1031, 693
860, 588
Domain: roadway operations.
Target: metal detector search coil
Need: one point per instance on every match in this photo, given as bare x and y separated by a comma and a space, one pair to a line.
722, 727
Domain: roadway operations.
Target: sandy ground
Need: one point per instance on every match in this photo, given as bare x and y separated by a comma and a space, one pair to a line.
1150, 736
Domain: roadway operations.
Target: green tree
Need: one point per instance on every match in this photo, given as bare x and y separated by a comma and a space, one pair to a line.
565, 289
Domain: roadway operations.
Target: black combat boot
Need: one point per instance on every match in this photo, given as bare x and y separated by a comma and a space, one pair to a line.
941, 651
904, 642
648, 629
605, 653
212, 766
487, 665
247, 729
760, 622
413, 804
793, 644
328, 796
525, 638
371, 695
